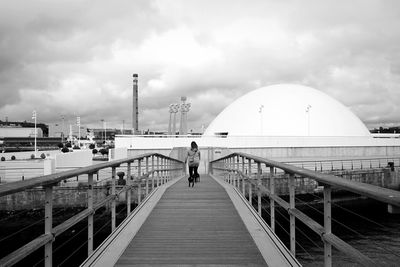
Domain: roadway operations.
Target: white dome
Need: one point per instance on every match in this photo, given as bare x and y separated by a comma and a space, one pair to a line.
287, 110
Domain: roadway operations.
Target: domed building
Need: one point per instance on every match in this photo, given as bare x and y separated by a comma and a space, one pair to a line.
286, 110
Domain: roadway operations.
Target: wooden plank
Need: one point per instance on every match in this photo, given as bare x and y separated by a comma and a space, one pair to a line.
192, 226
111, 248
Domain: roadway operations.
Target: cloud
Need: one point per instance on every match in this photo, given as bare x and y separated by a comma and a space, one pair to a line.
77, 58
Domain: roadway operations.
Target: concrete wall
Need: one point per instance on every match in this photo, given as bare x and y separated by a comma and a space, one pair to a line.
27, 154
320, 152
382, 177
168, 142
118, 153
75, 159
62, 197
17, 170
271, 147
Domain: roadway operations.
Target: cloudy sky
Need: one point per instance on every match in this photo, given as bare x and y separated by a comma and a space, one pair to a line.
76, 58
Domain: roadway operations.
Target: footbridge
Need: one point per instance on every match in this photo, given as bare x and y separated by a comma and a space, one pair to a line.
218, 222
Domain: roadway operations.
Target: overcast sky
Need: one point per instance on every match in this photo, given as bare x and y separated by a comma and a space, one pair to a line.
76, 58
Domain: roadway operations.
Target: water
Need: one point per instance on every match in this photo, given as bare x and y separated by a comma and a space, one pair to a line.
380, 240
69, 249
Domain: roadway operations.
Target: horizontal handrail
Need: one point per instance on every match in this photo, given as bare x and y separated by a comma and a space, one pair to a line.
338, 160
13, 187
28, 248
382, 194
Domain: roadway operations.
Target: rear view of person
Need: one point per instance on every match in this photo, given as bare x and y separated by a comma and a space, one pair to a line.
193, 159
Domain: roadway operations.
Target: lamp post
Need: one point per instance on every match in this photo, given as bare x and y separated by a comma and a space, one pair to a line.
34, 116
62, 130
78, 122
102, 121
260, 110
308, 110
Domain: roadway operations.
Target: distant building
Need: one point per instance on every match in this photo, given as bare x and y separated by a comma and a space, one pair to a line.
286, 110
109, 133
20, 132
24, 124
58, 130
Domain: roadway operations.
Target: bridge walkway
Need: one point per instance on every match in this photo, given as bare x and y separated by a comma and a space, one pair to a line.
191, 226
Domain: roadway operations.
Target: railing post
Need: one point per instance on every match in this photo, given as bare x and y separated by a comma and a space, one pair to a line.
147, 176
158, 171
259, 187
250, 193
90, 217
162, 170
292, 217
113, 202
249, 174
139, 181
237, 171
170, 171
152, 172
327, 225
272, 201
129, 192
48, 225
243, 183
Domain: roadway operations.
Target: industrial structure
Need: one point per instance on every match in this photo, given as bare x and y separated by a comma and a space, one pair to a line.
173, 109
184, 107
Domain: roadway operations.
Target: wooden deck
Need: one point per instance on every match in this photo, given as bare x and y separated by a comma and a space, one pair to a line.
193, 226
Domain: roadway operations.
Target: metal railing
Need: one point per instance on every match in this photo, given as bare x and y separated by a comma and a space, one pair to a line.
238, 170
345, 164
153, 170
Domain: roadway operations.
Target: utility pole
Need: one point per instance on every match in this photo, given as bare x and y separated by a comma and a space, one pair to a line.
78, 122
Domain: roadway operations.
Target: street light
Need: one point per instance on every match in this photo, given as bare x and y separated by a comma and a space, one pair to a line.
308, 111
34, 116
260, 110
104, 127
62, 130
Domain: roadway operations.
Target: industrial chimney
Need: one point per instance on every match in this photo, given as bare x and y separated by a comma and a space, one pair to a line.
135, 109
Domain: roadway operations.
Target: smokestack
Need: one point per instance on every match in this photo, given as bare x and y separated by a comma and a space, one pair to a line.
135, 109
